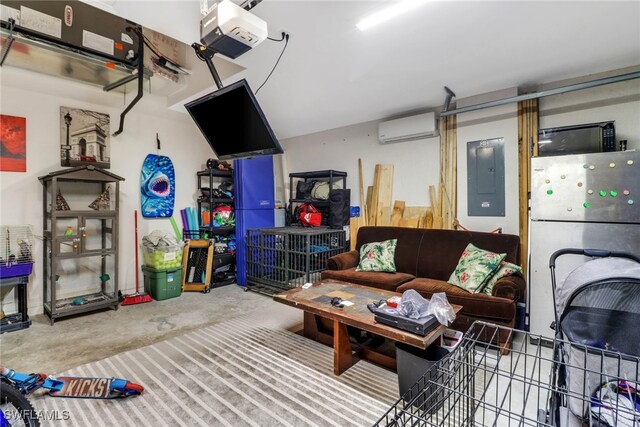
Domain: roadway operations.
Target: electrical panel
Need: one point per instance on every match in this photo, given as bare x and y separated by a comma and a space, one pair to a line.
485, 177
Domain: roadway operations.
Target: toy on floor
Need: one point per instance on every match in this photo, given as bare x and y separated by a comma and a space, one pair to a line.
81, 387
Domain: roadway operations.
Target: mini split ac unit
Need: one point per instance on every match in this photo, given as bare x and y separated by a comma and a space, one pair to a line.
408, 128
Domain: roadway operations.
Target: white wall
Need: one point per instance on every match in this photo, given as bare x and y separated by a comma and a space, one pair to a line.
617, 101
38, 98
415, 162
499, 122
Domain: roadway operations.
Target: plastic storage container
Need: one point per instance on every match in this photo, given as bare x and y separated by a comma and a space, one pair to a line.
162, 257
7, 270
162, 284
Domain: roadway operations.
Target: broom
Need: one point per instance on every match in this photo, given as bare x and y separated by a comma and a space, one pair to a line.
138, 297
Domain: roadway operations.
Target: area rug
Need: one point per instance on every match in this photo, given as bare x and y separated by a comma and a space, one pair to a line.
249, 371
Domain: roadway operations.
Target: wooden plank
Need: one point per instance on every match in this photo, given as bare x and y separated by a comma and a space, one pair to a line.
398, 212
411, 222
435, 208
527, 135
384, 190
354, 225
447, 188
523, 179
434, 200
363, 203
414, 211
368, 204
428, 221
375, 193
385, 214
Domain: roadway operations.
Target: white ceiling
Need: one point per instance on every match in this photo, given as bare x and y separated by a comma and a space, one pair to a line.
333, 75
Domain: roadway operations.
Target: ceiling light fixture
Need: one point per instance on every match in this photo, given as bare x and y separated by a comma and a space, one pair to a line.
390, 12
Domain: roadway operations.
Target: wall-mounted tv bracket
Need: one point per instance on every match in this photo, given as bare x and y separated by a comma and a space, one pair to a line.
140, 77
10, 39
206, 54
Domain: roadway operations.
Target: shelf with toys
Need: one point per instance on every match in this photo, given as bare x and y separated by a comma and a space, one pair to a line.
216, 209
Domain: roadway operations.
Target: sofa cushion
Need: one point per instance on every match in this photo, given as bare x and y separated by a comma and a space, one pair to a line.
480, 305
386, 281
506, 269
440, 250
378, 256
474, 268
409, 239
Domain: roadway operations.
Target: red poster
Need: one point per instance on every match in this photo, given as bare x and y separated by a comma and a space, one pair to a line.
13, 143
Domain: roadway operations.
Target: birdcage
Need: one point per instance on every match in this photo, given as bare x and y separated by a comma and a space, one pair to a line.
16, 250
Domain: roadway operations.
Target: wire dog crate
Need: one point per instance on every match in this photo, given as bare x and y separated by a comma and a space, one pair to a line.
287, 257
478, 386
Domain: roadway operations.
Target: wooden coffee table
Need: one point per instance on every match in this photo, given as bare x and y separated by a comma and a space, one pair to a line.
314, 301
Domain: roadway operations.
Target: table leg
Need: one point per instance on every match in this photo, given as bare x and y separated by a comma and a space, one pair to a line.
310, 326
342, 357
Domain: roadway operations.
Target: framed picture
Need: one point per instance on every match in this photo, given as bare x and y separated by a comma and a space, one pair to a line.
84, 138
13, 143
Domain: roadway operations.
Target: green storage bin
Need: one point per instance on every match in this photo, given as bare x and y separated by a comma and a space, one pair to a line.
162, 284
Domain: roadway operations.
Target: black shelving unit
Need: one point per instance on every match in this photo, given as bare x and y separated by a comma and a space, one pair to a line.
20, 319
330, 176
208, 180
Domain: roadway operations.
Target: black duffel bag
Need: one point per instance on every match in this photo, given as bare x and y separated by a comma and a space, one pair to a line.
303, 189
339, 201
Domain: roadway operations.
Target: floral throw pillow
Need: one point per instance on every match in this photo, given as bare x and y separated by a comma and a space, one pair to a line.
474, 268
378, 256
506, 269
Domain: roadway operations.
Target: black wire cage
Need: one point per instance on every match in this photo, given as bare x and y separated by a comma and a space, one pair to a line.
476, 385
283, 258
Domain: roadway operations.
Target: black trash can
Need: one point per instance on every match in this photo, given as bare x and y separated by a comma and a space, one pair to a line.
422, 393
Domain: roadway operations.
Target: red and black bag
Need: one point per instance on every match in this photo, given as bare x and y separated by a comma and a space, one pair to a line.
308, 215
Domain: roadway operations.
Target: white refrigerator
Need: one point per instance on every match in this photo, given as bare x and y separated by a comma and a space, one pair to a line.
584, 201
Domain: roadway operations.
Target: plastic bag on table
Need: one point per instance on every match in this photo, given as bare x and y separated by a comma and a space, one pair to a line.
441, 309
413, 305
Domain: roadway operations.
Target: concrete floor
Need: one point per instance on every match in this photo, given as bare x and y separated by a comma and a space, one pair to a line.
73, 341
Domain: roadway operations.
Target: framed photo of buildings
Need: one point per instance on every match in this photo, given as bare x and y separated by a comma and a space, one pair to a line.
84, 138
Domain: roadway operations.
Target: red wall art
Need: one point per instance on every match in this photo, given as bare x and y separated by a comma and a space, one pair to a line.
13, 143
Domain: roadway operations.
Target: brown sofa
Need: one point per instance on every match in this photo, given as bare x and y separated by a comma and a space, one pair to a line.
424, 261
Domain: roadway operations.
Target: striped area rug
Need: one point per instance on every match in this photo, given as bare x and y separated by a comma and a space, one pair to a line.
249, 371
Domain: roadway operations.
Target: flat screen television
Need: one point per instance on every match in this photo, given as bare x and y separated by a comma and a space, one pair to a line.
233, 123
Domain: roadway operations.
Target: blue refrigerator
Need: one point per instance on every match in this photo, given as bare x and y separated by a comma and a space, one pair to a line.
254, 203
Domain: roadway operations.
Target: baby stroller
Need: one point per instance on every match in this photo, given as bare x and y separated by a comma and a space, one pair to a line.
597, 322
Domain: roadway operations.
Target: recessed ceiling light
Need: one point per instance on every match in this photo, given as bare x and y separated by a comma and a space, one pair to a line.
398, 8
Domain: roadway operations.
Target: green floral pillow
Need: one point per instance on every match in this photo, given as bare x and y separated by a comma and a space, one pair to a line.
378, 256
506, 269
474, 268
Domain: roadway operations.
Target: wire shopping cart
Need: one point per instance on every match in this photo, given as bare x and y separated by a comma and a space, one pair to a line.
476, 385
